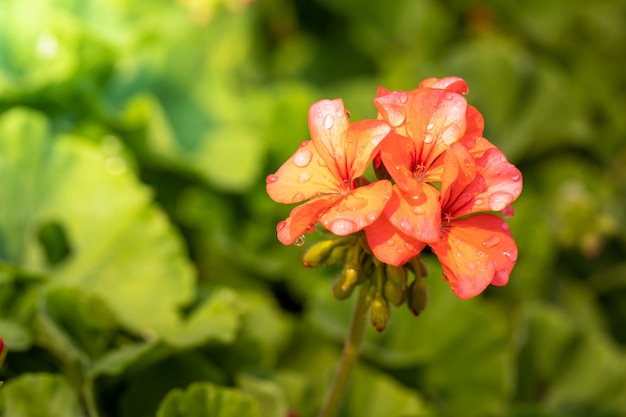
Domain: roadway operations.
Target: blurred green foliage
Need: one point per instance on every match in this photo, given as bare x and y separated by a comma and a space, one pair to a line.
139, 270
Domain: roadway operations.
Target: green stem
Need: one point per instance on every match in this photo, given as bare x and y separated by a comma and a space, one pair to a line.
349, 357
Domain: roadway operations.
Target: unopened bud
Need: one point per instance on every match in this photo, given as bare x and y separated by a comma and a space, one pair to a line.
417, 296
337, 255
379, 313
418, 267
394, 294
346, 282
318, 253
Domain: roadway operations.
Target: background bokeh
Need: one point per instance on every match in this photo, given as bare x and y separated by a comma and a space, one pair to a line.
140, 273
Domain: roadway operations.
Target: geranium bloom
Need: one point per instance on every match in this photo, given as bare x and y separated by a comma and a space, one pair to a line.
476, 250
326, 170
424, 123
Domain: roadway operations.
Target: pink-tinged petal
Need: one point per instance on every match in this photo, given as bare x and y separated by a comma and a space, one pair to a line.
475, 122
454, 84
496, 185
459, 170
417, 214
437, 119
363, 140
301, 177
382, 91
358, 209
474, 252
303, 218
398, 154
392, 107
328, 124
389, 245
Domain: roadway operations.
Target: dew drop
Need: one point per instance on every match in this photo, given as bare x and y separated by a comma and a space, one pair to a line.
309, 228
471, 266
298, 197
281, 225
515, 177
428, 138
419, 210
321, 162
372, 216
304, 177
403, 97
270, 179
480, 253
302, 158
470, 143
328, 122
430, 126
459, 254
390, 242
492, 241
406, 225
504, 226
303, 144
342, 227
499, 200
478, 202
449, 95
300, 241
408, 246
511, 255
354, 203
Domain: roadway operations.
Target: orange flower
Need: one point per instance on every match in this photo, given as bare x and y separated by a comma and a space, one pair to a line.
477, 250
424, 123
326, 170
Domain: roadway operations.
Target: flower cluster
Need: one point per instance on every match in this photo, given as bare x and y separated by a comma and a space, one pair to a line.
439, 183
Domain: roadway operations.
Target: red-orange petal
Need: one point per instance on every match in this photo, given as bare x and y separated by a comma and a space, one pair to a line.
495, 184
417, 214
357, 209
328, 124
303, 218
301, 177
363, 140
398, 154
474, 252
454, 84
389, 245
435, 118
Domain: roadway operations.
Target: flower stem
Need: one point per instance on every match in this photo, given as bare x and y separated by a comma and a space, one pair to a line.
336, 393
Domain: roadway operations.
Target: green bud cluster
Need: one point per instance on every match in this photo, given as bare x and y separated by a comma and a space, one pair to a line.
385, 284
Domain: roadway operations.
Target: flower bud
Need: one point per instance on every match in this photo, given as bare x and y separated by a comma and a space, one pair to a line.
417, 296
379, 313
418, 267
318, 253
395, 284
346, 282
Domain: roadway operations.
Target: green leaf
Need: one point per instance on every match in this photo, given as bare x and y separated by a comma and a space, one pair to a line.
121, 247
269, 396
207, 400
38, 395
16, 336
373, 393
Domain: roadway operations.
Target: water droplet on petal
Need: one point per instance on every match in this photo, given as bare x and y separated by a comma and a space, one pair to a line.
459, 254
329, 120
310, 227
406, 225
403, 97
504, 226
511, 254
449, 95
515, 177
342, 227
372, 216
471, 266
303, 144
300, 241
321, 162
302, 158
281, 225
419, 210
492, 241
270, 179
390, 242
478, 202
354, 203
430, 126
304, 177
428, 138
499, 200
298, 197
